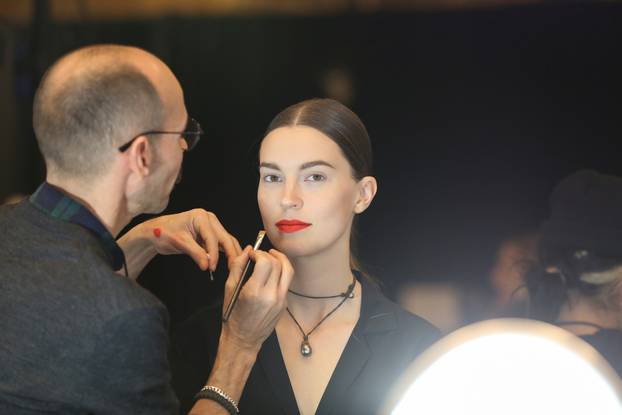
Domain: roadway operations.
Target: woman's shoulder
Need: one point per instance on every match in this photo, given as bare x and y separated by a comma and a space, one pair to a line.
379, 307
394, 336
608, 342
414, 321
605, 339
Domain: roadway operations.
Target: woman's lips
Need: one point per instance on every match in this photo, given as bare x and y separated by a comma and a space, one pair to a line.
291, 225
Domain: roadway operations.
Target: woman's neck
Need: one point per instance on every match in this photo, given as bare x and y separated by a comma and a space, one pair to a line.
324, 274
583, 310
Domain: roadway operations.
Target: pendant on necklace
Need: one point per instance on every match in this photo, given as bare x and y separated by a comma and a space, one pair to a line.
305, 347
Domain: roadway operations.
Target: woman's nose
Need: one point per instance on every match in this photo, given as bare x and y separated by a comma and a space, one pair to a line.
291, 198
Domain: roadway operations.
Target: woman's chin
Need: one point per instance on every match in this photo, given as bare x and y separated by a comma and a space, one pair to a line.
293, 249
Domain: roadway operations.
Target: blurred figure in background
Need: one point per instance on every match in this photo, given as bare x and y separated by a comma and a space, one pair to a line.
449, 305
507, 276
441, 303
577, 281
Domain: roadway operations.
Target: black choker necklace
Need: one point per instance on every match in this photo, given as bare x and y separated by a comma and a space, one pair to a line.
305, 346
348, 293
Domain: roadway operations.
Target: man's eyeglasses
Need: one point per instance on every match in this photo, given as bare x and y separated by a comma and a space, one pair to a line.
191, 135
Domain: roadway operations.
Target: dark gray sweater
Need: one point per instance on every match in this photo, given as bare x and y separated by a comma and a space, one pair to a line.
75, 337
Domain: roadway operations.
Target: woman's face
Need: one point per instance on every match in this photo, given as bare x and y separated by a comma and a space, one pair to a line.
307, 195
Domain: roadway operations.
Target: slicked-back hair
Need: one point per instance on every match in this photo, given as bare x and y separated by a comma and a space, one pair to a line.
337, 122
80, 124
345, 128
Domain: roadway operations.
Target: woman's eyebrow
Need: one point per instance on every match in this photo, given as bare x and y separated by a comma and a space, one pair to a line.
315, 163
304, 166
269, 166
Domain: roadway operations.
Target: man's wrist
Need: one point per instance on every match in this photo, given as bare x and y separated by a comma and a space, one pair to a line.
145, 240
232, 367
230, 350
216, 394
139, 248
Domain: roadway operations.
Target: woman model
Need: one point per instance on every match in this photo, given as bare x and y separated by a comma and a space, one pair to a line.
577, 283
340, 345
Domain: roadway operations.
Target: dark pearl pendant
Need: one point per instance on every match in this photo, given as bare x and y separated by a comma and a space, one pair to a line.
305, 347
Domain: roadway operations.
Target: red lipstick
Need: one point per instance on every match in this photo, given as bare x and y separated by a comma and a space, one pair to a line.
291, 225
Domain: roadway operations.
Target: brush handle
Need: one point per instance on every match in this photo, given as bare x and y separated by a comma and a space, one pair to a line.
238, 286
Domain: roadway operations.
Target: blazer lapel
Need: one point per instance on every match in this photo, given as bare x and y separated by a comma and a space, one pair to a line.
357, 352
352, 361
274, 368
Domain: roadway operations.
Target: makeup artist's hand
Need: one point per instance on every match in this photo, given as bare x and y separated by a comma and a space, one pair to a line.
261, 300
196, 233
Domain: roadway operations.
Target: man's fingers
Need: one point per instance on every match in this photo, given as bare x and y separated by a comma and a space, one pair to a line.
235, 272
275, 275
191, 248
263, 267
287, 271
236, 245
230, 246
217, 238
237, 249
210, 240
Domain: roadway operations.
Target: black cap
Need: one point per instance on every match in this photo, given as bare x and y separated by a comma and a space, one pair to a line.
586, 215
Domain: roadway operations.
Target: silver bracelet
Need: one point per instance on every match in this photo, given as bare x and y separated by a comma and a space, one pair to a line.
223, 394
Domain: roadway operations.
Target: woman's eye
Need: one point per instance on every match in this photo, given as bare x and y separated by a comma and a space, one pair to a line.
315, 178
271, 178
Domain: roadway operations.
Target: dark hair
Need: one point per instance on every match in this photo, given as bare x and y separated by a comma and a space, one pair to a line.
560, 271
80, 122
337, 122
345, 128
579, 249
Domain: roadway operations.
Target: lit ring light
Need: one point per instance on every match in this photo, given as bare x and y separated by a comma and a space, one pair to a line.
508, 367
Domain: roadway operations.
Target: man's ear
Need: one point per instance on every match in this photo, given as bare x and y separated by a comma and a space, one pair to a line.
367, 190
140, 157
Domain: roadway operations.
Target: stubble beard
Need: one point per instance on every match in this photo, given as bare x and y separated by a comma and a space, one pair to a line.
155, 196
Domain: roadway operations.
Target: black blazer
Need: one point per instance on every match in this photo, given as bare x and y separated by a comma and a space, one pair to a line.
383, 343
608, 342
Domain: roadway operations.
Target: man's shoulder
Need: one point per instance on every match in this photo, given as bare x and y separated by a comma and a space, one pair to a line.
25, 228
12, 214
45, 257
70, 316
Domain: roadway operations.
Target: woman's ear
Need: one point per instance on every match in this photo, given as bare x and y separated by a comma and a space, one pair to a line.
366, 192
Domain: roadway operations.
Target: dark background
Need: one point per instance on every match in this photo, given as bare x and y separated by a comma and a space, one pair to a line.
474, 116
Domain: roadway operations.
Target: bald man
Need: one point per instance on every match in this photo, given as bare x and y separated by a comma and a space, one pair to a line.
78, 335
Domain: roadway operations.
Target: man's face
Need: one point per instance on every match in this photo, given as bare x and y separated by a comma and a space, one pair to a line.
168, 149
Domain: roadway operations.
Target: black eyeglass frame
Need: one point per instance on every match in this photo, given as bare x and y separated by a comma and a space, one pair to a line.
191, 135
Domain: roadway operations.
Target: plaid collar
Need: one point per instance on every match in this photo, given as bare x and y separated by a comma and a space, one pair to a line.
55, 203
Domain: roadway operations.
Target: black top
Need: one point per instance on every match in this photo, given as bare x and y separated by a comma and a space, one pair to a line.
383, 343
609, 343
